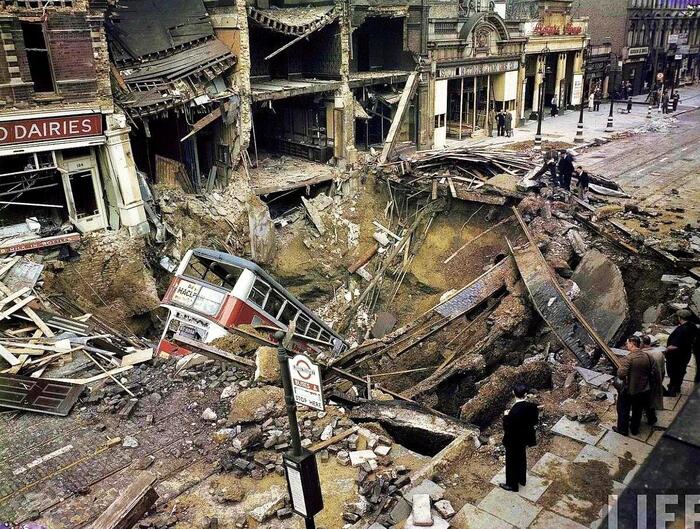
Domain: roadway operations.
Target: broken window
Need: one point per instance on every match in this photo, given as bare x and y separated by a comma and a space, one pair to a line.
274, 304
215, 273
258, 293
38, 57
83, 189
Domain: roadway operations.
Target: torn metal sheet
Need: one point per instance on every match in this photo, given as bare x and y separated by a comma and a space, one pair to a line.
292, 20
37, 395
603, 299
24, 274
479, 290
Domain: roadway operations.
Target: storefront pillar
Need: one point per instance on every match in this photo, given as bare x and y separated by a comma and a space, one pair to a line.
560, 76
122, 172
538, 83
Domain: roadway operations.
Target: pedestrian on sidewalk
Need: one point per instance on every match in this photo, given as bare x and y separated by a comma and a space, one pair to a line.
629, 105
597, 96
555, 106
501, 119
679, 349
676, 99
591, 101
519, 424
584, 180
656, 399
664, 102
509, 123
566, 169
633, 385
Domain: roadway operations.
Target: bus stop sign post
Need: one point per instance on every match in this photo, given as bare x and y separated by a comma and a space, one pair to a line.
300, 465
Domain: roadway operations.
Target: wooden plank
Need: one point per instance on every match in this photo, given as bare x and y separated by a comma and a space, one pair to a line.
393, 134
434, 193
203, 122
6, 267
137, 358
21, 292
8, 356
92, 379
338, 437
18, 305
130, 506
453, 191
363, 259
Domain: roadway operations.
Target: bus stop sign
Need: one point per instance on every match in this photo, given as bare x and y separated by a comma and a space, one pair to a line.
306, 382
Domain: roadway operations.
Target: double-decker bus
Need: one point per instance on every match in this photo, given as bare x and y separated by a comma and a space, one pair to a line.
214, 293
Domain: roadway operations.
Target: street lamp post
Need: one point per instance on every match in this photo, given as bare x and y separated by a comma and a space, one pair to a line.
579, 127
611, 80
545, 71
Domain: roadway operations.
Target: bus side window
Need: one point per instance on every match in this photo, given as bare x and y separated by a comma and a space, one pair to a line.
325, 336
195, 268
273, 304
302, 324
289, 313
314, 330
258, 293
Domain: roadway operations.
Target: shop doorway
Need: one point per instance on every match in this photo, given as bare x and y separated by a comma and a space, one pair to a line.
81, 183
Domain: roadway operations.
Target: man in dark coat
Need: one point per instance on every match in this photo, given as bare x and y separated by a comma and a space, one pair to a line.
566, 169
635, 372
501, 120
584, 181
679, 349
518, 433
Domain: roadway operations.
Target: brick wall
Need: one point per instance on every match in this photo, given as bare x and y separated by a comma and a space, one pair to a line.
79, 58
607, 21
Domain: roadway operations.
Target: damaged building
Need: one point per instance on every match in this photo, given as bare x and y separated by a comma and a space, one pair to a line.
65, 155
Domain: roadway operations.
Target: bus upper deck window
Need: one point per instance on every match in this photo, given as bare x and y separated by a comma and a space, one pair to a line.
258, 293
289, 313
274, 303
195, 268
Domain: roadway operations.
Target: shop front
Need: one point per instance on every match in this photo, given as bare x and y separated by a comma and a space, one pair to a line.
58, 167
466, 93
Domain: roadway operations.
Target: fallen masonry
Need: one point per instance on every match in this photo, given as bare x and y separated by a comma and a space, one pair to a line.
447, 277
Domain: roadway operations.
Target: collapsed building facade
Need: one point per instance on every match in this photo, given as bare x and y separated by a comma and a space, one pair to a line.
65, 154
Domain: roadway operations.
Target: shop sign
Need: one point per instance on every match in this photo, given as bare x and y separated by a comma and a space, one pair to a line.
50, 129
546, 31
636, 52
684, 49
474, 70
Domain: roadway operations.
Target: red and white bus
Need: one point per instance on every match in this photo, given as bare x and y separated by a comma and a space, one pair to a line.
213, 293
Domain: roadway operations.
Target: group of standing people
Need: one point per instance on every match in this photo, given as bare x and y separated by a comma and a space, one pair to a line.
663, 101
504, 123
639, 381
561, 169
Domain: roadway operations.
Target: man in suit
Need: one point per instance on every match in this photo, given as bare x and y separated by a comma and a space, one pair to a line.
636, 373
518, 433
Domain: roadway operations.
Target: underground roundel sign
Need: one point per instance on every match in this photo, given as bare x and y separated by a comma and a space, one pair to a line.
306, 382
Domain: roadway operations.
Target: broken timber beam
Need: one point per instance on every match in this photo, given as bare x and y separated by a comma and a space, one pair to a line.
406, 96
130, 506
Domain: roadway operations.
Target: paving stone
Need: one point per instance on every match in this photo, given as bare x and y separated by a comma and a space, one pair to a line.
361, 456
549, 520
445, 508
624, 447
670, 402
665, 418
644, 432
438, 523
432, 489
550, 466
532, 491
471, 517
421, 514
593, 453
585, 433
510, 507
655, 437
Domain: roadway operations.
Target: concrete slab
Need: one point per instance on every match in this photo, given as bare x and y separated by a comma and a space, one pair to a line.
432, 489
670, 402
510, 507
471, 517
438, 523
618, 468
421, 510
550, 466
624, 447
665, 418
644, 431
549, 520
535, 487
572, 508
655, 437
585, 433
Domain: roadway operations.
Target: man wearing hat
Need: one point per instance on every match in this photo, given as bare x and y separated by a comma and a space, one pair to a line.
678, 351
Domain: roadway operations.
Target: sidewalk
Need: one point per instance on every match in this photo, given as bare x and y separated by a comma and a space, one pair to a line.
563, 127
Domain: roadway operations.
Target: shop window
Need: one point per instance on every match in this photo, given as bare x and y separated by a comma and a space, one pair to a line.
83, 190
38, 57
